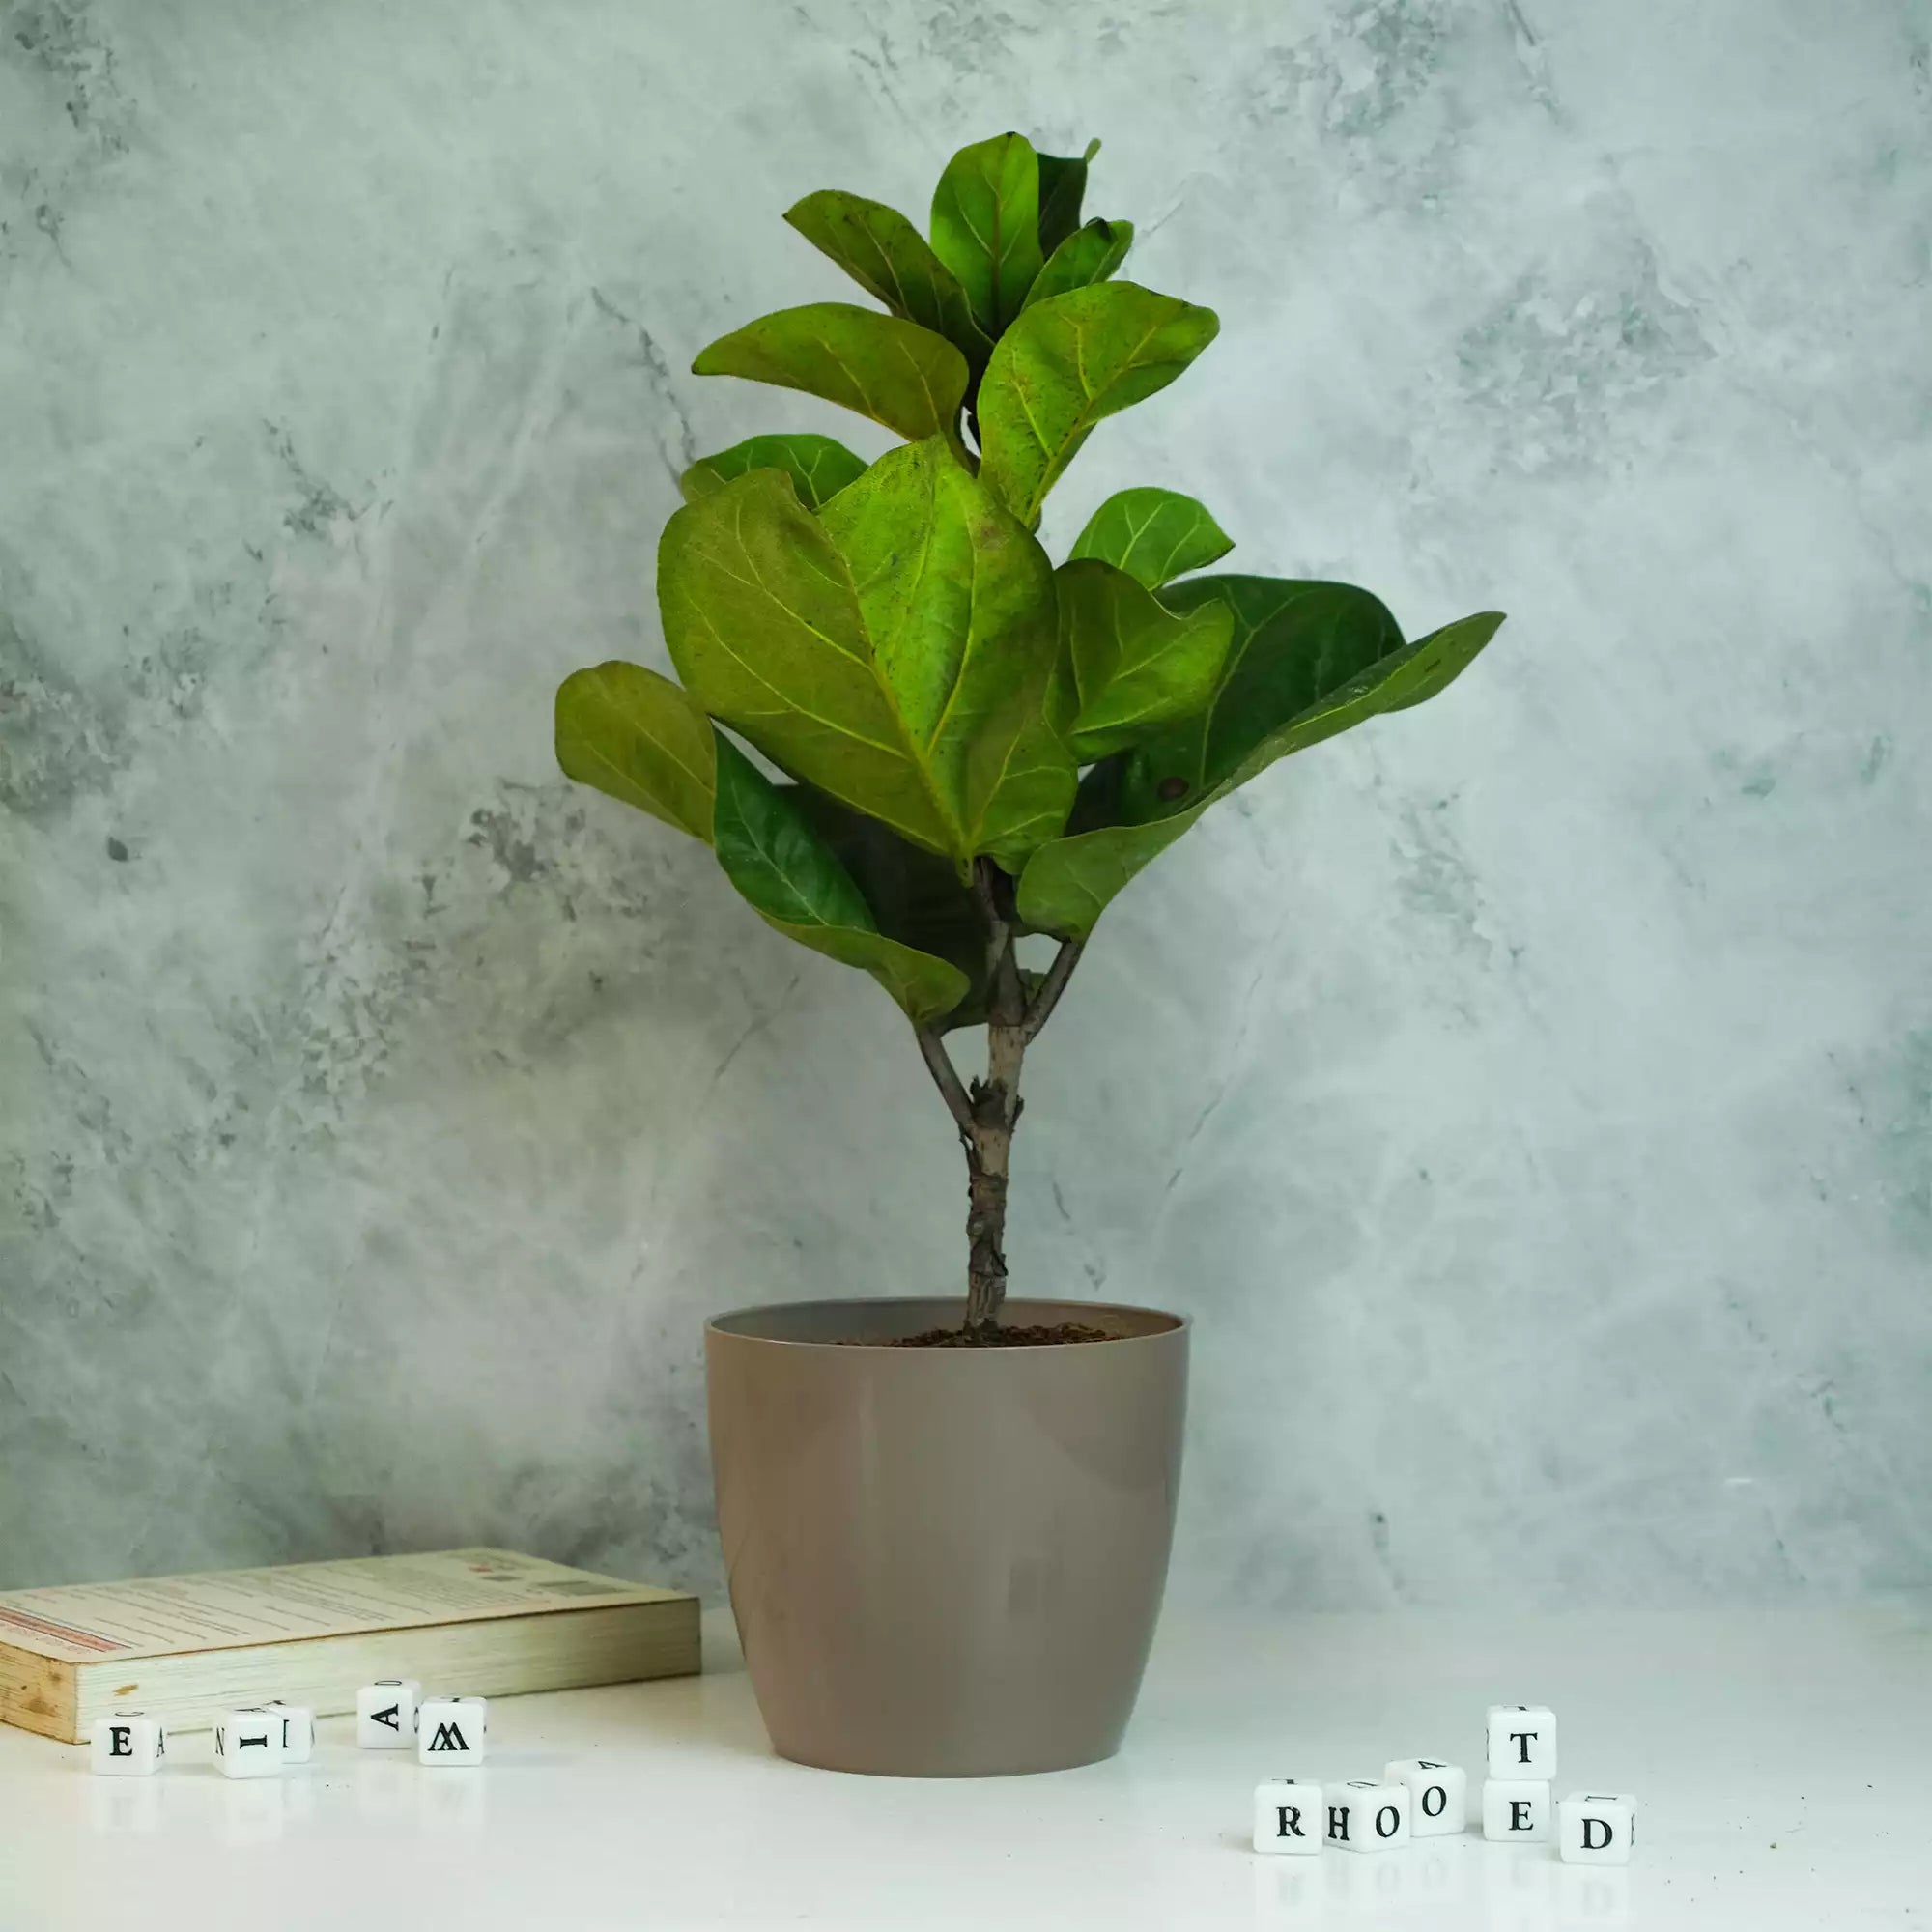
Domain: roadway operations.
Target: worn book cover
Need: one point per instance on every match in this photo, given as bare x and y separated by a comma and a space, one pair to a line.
486, 1622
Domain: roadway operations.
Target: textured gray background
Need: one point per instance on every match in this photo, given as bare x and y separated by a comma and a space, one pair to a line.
1531, 1096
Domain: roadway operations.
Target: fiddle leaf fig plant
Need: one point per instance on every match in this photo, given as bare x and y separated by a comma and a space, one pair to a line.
959, 745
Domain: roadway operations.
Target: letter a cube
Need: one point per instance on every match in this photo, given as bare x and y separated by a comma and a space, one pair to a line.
452, 1730
1288, 1815
386, 1714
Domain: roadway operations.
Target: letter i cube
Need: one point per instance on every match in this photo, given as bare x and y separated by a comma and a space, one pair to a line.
1438, 1794
1522, 1742
452, 1730
1364, 1816
1288, 1815
298, 1723
127, 1744
248, 1744
386, 1714
1595, 1829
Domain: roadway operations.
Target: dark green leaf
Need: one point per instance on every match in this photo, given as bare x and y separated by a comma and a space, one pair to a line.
1063, 366
881, 365
1153, 535
635, 736
887, 257
1128, 666
1088, 255
1062, 185
794, 879
819, 467
893, 651
986, 226
1308, 660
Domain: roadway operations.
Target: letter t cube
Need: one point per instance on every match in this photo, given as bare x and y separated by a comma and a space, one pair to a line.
1522, 1742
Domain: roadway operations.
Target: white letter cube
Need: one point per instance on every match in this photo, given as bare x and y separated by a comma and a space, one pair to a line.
1522, 1742
386, 1714
248, 1744
127, 1744
1364, 1816
1288, 1815
298, 1730
1516, 1811
1596, 1828
452, 1730
1438, 1794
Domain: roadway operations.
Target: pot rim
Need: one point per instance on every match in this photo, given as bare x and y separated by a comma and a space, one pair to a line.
716, 1324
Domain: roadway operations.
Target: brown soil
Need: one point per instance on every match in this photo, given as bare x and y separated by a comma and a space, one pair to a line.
995, 1337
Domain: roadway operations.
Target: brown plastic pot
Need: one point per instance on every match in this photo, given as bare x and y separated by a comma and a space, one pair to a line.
944, 1562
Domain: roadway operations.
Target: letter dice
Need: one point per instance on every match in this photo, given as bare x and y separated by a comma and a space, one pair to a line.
1516, 1811
1364, 1816
1522, 1742
127, 1744
248, 1744
1288, 1815
386, 1714
452, 1730
298, 1723
1593, 1829
1438, 1794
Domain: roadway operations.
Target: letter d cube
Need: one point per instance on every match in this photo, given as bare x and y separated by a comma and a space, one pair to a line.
1593, 1829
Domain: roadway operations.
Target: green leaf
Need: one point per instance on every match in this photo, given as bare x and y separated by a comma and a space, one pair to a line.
795, 881
1153, 535
892, 651
888, 258
1066, 365
635, 736
1062, 185
881, 365
1090, 254
1128, 664
1308, 660
819, 467
986, 226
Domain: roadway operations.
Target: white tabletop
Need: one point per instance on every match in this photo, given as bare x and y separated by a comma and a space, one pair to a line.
1783, 1764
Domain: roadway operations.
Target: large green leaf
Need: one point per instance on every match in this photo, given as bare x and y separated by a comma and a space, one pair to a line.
1063, 366
892, 651
986, 226
796, 882
1128, 664
1308, 660
888, 258
1153, 535
1090, 254
819, 467
881, 365
1063, 187
635, 736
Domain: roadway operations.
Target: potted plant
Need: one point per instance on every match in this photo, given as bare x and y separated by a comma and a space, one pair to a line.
912, 743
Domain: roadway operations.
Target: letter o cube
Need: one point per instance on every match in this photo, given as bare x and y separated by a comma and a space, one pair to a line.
1364, 1816
1596, 1828
452, 1730
127, 1744
1438, 1794
1287, 1816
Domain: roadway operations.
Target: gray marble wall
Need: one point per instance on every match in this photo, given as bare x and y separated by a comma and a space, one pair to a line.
1531, 1096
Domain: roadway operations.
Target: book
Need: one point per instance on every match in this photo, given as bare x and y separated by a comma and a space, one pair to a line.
489, 1622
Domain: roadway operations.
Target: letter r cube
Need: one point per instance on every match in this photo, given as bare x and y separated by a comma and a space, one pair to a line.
1287, 1816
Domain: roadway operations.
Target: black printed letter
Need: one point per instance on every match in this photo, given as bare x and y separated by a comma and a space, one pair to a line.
1521, 1739
1435, 1801
1288, 1825
1602, 1825
117, 1741
1519, 1814
447, 1738
1393, 1824
1338, 1823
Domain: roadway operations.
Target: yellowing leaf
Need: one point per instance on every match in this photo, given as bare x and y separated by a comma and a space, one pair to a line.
637, 736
